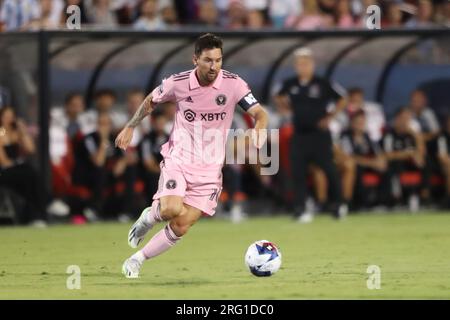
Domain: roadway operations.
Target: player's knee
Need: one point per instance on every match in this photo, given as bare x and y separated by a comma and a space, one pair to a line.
171, 210
180, 228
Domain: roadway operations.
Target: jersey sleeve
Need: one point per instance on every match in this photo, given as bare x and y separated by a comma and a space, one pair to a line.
244, 95
165, 92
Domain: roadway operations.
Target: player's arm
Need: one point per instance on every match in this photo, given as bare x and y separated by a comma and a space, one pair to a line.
125, 136
259, 114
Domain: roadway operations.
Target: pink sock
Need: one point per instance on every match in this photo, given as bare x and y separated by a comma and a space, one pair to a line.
154, 215
161, 242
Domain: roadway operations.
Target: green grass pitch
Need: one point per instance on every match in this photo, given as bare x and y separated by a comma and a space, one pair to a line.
323, 260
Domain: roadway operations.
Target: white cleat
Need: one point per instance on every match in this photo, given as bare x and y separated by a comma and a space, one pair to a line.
237, 214
306, 217
131, 268
139, 229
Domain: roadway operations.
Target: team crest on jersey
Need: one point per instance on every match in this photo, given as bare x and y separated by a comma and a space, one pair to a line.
314, 91
221, 99
171, 184
189, 115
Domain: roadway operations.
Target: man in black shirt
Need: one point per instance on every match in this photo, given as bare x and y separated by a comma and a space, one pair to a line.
404, 150
99, 165
366, 154
309, 96
149, 153
444, 156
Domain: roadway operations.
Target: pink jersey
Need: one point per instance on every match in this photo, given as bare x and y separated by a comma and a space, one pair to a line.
203, 118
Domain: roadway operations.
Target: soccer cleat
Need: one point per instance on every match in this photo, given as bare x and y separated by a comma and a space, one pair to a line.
306, 217
131, 268
139, 229
341, 211
237, 215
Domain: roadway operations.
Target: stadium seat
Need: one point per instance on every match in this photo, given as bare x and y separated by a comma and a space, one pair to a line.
371, 179
410, 178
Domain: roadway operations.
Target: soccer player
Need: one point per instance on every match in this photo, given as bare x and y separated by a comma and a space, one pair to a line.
188, 187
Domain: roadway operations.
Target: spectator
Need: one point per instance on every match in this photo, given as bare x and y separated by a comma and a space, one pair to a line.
15, 172
255, 19
311, 18
424, 16
100, 13
425, 118
444, 157
149, 151
169, 14
208, 14
405, 151
442, 16
150, 18
237, 15
372, 110
393, 16
50, 15
256, 13
126, 10
342, 15
69, 117
104, 103
18, 14
281, 10
99, 166
426, 124
365, 153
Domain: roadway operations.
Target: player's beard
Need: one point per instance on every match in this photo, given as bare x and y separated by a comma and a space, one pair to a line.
211, 76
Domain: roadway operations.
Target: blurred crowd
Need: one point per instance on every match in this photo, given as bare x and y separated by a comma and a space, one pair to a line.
403, 161
226, 14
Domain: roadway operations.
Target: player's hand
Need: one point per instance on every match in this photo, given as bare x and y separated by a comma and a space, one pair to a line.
259, 137
124, 138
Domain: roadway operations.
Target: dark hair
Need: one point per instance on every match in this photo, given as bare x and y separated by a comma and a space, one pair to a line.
70, 96
401, 110
105, 92
207, 41
134, 91
355, 90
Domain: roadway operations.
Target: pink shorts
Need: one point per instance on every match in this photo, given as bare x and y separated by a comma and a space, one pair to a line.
201, 192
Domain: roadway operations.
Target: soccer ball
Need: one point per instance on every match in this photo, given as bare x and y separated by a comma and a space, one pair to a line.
263, 258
